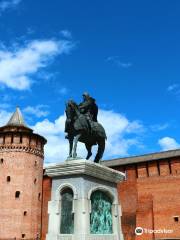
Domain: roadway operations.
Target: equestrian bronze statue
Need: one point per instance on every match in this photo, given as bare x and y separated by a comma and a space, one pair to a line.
82, 125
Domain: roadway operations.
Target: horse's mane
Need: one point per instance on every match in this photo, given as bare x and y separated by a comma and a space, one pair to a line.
71, 103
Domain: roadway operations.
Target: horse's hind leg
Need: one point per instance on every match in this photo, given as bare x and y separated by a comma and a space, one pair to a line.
70, 147
88, 147
75, 145
101, 147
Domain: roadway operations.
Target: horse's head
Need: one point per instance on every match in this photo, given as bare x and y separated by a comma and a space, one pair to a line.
71, 107
71, 104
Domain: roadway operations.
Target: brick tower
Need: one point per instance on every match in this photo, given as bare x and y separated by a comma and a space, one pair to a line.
21, 173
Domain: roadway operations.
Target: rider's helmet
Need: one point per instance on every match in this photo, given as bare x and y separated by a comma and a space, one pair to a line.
86, 94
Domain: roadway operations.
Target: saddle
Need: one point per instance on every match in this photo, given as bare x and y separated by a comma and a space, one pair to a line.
89, 126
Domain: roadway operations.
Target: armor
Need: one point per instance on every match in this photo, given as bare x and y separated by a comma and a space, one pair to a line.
89, 107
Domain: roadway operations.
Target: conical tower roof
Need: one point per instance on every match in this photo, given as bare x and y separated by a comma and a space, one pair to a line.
17, 119
16, 124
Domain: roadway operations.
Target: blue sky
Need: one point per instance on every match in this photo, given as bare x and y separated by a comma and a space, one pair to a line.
124, 53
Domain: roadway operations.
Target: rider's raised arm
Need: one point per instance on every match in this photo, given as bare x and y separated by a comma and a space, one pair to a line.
85, 105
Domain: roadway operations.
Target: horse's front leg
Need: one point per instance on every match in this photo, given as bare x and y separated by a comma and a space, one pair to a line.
75, 145
70, 147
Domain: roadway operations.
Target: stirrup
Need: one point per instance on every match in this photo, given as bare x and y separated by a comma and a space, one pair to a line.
67, 137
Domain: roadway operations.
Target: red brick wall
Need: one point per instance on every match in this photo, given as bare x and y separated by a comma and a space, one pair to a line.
144, 215
25, 167
128, 197
47, 184
152, 199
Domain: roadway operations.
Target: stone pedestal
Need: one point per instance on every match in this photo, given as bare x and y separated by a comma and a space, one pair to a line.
83, 177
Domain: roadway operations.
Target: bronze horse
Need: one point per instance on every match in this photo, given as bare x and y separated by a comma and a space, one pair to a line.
79, 129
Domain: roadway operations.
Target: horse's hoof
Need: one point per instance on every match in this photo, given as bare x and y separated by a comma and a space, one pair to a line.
96, 161
74, 155
88, 156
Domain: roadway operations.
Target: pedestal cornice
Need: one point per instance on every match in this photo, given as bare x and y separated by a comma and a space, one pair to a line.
84, 167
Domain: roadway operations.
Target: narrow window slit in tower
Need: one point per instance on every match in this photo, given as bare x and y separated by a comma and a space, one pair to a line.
8, 178
170, 170
147, 169
35, 181
23, 235
2, 160
25, 213
158, 167
35, 163
17, 194
136, 168
21, 138
39, 196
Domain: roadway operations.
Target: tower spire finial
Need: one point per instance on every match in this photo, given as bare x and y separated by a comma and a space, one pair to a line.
16, 119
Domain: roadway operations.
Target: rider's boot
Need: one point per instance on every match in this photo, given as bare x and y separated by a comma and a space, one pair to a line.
67, 136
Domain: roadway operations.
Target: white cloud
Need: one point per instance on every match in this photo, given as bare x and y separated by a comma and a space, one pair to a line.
66, 33
63, 91
159, 127
6, 4
4, 117
115, 60
56, 149
5, 105
18, 66
168, 143
117, 126
38, 111
173, 87
124, 65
